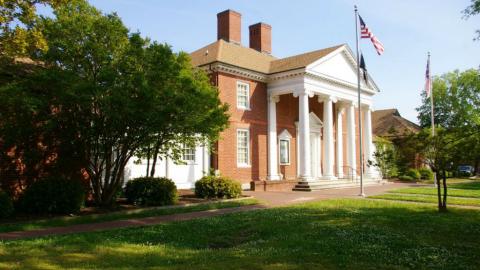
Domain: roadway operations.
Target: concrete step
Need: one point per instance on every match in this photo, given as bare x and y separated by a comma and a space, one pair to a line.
333, 184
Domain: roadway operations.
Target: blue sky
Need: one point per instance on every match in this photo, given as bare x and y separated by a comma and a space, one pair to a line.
407, 28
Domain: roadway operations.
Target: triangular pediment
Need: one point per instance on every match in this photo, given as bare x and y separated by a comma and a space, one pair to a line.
339, 65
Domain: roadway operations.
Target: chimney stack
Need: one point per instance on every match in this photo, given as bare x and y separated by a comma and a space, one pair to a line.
261, 37
229, 26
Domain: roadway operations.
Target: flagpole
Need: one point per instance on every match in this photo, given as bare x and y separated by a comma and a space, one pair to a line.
358, 104
432, 114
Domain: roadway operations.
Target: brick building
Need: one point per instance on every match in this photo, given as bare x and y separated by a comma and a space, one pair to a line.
293, 120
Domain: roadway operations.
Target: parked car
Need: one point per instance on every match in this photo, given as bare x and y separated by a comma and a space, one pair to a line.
465, 170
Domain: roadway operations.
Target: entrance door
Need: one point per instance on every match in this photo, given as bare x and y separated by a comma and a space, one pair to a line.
315, 154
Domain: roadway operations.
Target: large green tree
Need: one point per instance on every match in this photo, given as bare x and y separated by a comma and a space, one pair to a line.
456, 98
123, 93
19, 31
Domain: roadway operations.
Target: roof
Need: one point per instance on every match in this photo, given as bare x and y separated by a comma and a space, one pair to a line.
233, 54
301, 60
237, 55
389, 123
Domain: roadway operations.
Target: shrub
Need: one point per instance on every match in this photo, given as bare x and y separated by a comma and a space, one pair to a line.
6, 205
53, 195
149, 191
426, 173
413, 173
405, 178
217, 187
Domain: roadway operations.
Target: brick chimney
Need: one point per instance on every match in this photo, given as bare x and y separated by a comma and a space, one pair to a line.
229, 26
261, 37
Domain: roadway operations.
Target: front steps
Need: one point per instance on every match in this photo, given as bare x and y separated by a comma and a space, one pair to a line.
331, 184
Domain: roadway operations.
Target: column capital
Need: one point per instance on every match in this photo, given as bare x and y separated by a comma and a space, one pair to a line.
303, 92
367, 107
323, 98
273, 98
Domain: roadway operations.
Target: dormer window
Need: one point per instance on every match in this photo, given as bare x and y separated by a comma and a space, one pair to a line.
243, 95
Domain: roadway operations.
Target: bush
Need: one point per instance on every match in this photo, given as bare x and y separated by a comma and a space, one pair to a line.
6, 205
53, 195
217, 187
426, 173
405, 178
149, 191
413, 173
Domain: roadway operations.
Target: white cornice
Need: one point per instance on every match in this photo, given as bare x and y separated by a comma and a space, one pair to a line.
230, 69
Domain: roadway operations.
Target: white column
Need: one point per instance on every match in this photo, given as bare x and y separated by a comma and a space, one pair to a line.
367, 120
339, 162
205, 160
272, 139
304, 134
351, 150
328, 142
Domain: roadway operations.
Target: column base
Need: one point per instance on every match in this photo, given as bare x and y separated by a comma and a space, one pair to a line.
273, 177
307, 178
328, 177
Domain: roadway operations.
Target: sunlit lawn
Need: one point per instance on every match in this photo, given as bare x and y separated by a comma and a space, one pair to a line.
5, 226
333, 234
465, 193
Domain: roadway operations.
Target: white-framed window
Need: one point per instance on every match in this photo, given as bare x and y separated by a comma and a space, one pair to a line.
188, 153
284, 145
284, 139
243, 148
243, 95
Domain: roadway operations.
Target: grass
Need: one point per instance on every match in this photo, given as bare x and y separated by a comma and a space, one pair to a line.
139, 213
333, 234
465, 192
433, 191
428, 199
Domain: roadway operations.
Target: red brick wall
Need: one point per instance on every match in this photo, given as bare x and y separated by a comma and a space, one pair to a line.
256, 121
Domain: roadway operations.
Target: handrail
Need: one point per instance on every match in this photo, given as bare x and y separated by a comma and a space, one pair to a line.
352, 173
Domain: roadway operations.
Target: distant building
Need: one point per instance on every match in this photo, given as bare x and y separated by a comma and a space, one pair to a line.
390, 124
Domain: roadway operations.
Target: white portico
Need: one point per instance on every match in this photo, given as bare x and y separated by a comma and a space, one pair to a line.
326, 145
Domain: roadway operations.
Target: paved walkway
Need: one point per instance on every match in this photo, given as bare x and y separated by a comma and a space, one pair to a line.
282, 198
269, 199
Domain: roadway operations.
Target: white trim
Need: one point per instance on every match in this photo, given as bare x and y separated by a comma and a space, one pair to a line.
248, 164
280, 152
247, 85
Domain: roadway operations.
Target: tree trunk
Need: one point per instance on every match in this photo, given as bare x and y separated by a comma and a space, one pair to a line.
148, 161
439, 192
444, 191
155, 157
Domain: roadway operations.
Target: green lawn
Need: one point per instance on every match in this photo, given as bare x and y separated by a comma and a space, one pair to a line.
459, 193
433, 191
428, 199
333, 234
139, 213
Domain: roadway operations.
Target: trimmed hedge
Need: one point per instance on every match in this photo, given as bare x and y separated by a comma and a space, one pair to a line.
53, 195
426, 173
405, 178
413, 173
218, 187
6, 205
149, 191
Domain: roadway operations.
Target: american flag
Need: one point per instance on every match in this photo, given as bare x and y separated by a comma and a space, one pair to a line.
366, 33
428, 79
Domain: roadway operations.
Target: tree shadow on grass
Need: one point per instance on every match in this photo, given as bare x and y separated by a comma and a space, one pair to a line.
336, 234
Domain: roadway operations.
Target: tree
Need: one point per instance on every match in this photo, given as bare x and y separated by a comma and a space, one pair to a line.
456, 97
472, 10
19, 32
123, 93
385, 157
